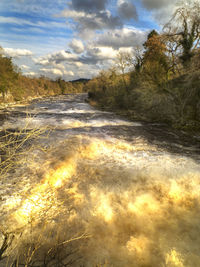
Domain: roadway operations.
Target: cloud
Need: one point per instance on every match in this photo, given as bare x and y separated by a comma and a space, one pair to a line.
92, 21
78, 64
77, 46
13, 20
163, 15
87, 16
55, 72
122, 38
15, 53
89, 5
100, 52
157, 4
85, 71
25, 22
127, 10
25, 67
33, 7
162, 10
31, 74
59, 64
97, 55
56, 58
52, 71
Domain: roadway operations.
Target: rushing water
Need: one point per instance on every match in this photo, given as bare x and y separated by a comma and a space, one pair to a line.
105, 192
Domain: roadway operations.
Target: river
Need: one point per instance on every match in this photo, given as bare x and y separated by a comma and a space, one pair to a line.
96, 189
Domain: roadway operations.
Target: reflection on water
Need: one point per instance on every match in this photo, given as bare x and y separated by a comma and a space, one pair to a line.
121, 200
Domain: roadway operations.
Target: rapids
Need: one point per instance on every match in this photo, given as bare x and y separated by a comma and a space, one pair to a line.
99, 190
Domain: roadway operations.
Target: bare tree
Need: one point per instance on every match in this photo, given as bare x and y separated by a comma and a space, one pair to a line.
123, 63
184, 29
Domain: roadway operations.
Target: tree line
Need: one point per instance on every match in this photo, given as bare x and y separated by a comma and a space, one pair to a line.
14, 86
161, 80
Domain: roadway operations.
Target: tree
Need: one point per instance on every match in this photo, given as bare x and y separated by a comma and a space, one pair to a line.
62, 85
155, 49
123, 63
8, 73
137, 59
155, 61
184, 27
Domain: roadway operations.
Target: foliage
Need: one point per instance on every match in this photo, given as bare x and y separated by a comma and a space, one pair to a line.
155, 61
16, 87
62, 85
8, 74
164, 84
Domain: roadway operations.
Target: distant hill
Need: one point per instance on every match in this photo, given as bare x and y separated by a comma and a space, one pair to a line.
82, 80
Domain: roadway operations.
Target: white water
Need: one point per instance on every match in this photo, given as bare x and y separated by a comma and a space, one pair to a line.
133, 197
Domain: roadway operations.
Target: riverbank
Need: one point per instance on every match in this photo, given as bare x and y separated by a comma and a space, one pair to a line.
134, 115
149, 95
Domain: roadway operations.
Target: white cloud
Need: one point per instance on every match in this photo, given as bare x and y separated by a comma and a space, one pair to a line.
55, 72
15, 53
127, 37
67, 13
52, 71
31, 74
14, 20
22, 22
68, 73
25, 67
33, 7
56, 58
97, 55
58, 66
77, 46
78, 64
103, 52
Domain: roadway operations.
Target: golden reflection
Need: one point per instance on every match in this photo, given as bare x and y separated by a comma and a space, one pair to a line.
175, 192
102, 206
173, 258
41, 196
74, 192
144, 204
30, 204
63, 172
137, 218
94, 149
101, 147
138, 245
105, 209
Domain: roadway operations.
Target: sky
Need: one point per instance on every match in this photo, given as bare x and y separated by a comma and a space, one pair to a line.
75, 39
